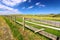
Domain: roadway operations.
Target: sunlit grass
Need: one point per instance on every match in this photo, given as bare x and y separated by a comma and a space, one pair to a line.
32, 35
49, 30
44, 18
14, 29
55, 32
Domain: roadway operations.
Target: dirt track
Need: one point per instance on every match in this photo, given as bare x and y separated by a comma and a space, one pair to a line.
5, 32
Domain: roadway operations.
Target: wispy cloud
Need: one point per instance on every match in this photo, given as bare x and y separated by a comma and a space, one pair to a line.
7, 3
12, 2
8, 8
39, 4
24, 0
42, 5
11, 10
30, 7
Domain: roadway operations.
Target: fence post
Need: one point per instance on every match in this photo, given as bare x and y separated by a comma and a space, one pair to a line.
23, 23
58, 38
15, 19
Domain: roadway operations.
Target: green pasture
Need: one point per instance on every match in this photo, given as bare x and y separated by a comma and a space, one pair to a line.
28, 34
49, 30
14, 29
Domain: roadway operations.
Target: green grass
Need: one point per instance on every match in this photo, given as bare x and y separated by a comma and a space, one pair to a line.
19, 19
32, 35
42, 23
14, 29
49, 30
55, 32
43, 18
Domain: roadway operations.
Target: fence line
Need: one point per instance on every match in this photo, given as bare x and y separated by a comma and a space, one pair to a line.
51, 36
48, 35
53, 23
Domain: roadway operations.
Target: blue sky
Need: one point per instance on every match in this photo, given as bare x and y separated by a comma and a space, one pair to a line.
29, 6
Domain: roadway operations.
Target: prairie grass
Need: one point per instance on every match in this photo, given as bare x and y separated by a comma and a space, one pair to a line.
14, 29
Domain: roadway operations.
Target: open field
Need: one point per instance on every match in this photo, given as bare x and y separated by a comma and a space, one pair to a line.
55, 32
17, 29
53, 21
29, 34
43, 18
14, 29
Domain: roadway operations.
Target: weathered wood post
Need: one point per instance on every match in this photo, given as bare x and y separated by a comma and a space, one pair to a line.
15, 20
58, 38
23, 23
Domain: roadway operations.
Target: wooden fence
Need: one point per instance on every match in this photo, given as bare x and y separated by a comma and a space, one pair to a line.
52, 23
46, 34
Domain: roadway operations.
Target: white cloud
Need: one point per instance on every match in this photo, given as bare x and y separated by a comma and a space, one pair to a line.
39, 4
24, 0
12, 2
30, 7
42, 5
8, 9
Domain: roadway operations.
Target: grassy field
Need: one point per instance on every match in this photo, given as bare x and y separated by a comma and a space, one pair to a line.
44, 18
26, 35
49, 30
14, 29
40, 23
19, 34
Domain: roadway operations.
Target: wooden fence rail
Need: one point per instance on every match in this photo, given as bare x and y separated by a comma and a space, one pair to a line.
48, 35
53, 23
